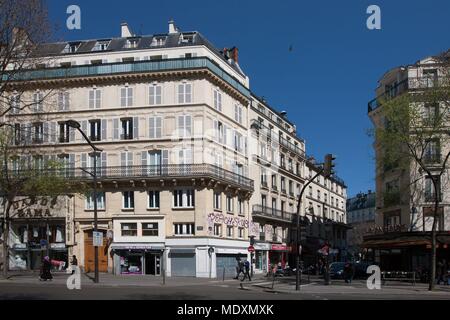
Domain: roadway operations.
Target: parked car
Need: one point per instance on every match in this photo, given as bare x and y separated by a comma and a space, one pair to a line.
361, 269
337, 270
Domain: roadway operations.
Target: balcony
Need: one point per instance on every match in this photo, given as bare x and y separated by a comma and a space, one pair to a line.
96, 138
126, 136
418, 83
274, 214
292, 147
128, 67
153, 172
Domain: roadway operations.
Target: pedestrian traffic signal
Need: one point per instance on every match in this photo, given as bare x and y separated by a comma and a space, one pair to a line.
328, 168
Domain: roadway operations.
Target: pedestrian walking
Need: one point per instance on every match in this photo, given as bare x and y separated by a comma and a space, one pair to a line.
74, 263
348, 272
239, 267
439, 273
46, 269
247, 271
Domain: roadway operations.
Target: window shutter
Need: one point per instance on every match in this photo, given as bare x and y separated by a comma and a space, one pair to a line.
84, 160
116, 129
136, 128
216, 130
71, 134
104, 130
151, 95
84, 127
123, 159
104, 160
98, 98
130, 159
123, 100
53, 132
91, 99
158, 127
151, 126
188, 124
130, 97
165, 157
45, 137
144, 156
72, 162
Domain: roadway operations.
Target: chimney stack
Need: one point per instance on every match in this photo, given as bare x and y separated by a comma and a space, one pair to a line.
172, 27
125, 31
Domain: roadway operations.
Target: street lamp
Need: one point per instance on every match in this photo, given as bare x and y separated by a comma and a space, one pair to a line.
76, 125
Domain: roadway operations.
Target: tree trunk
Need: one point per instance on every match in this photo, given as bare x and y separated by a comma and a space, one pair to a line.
5, 249
433, 240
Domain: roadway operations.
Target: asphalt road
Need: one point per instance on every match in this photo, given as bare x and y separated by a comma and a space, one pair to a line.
209, 291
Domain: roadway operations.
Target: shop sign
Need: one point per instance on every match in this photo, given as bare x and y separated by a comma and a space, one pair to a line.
280, 247
387, 229
97, 239
57, 246
262, 246
20, 246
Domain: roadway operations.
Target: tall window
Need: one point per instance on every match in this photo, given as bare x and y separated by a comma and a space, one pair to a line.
64, 132
63, 101
240, 206
430, 190
229, 231
128, 200
126, 97
95, 130
263, 177
230, 204
238, 113
218, 100
155, 125
183, 198
183, 229
217, 200
155, 92
274, 181
185, 93
127, 129
95, 98
14, 103
100, 201
241, 233
184, 125
38, 99
218, 230
38, 133
153, 199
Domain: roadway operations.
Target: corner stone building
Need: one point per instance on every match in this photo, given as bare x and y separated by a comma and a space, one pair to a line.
171, 114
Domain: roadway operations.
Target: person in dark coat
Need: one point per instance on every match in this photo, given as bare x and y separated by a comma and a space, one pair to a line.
74, 263
348, 272
46, 267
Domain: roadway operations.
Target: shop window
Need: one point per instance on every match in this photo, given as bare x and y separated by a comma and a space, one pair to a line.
131, 263
183, 229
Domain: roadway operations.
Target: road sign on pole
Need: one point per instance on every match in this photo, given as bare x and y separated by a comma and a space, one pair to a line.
251, 249
97, 239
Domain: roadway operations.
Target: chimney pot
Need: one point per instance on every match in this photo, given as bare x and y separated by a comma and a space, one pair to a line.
125, 30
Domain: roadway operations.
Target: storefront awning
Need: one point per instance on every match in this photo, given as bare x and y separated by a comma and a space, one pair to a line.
395, 243
182, 250
137, 246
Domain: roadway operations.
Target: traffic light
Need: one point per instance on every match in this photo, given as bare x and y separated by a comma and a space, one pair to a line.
252, 240
328, 167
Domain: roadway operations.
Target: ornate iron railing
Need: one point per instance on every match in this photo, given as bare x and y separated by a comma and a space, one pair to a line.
267, 212
150, 172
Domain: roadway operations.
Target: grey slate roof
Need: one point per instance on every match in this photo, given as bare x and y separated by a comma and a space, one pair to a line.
361, 201
117, 44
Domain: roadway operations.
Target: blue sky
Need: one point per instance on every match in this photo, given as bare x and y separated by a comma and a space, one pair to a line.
324, 83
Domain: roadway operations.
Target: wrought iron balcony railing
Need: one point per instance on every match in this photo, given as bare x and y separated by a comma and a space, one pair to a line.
128, 67
150, 172
412, 83
267, 212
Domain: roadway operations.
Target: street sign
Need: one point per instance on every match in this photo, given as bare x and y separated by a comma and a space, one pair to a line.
251, 249
98, 239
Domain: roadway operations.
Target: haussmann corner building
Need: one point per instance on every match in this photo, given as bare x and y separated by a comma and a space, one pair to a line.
401, 240
193, 163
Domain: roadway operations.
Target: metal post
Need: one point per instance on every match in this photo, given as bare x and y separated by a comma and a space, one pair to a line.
96, 276
297, 244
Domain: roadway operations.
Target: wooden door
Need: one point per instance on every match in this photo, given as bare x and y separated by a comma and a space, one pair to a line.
89, 254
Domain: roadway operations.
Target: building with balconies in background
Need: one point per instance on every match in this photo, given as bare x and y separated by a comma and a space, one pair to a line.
404, 216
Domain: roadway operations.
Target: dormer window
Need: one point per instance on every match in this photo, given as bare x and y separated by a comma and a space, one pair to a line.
187, 38
71, 47
101, 45
158, 41
131, 43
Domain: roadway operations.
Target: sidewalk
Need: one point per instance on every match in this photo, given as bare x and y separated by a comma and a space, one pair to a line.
110, 280
317, 285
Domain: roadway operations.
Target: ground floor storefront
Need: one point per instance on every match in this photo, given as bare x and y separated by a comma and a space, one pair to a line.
32, 240
406, 251
138, 259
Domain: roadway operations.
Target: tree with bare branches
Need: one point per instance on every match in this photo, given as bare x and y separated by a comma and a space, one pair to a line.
414, 140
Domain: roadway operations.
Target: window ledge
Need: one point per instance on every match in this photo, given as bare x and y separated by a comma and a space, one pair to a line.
182, 208
153, 209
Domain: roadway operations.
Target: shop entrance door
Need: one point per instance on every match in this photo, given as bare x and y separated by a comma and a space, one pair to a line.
89, 254
153, 264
